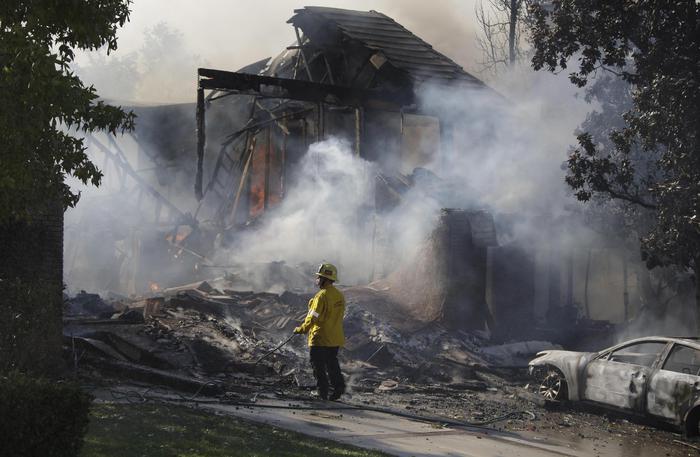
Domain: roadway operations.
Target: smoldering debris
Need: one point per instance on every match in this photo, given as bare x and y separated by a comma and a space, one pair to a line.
203, 332
207, 339
90, 304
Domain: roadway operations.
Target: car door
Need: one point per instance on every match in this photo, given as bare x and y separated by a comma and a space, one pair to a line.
618, 378
675, 386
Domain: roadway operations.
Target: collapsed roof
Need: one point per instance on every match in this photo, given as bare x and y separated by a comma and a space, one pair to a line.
395, 45
345, 57
351, 74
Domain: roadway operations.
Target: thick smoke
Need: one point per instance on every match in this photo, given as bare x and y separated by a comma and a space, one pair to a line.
499, 160
506, 156
162, 69
115, 221
329, 215
320, 217
508, 149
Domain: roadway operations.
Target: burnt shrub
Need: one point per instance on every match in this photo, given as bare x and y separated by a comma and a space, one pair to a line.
41, 417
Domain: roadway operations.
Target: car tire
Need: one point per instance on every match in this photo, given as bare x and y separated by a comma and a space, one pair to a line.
691, 427
553, 386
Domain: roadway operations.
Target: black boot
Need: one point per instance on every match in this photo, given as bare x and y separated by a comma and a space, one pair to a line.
336, 394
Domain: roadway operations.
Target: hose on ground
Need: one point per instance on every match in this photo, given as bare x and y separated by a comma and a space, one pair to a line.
152, 393
275, 349
393, 412
134, 396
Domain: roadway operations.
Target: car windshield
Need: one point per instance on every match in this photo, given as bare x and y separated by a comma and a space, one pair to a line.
643, 354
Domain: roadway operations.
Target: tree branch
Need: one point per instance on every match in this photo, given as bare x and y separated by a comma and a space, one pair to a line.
637, 200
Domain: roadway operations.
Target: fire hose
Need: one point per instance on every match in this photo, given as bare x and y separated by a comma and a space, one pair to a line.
153, 394
275, 349
138, 397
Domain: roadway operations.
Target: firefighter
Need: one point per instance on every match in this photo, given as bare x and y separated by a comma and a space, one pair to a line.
324, 325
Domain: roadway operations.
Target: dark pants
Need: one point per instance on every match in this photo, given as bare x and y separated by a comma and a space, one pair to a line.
324, 361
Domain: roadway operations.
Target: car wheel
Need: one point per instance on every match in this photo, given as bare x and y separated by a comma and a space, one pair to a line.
692, 423
553, 386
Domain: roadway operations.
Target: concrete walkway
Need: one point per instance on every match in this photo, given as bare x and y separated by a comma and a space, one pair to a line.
406, 437
397, 435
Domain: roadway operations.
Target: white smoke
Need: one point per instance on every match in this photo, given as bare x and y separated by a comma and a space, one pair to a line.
506, 157
320, 217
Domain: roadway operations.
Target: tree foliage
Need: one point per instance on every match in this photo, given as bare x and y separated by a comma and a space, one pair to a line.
43, 103
651, 156
620, 219
624, 218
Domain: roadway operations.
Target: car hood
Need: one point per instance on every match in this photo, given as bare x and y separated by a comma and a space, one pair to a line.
559, 356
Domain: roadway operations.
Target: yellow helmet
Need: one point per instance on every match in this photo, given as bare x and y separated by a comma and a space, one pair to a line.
328, 271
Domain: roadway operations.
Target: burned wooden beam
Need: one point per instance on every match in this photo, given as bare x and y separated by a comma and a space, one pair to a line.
120, 161
328, 69
250, 149
303, 54
201, 139
293, 89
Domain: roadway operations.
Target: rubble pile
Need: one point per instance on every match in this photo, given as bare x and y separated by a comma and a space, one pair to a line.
202, 332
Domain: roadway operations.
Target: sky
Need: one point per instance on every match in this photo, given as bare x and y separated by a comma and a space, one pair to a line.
230, 34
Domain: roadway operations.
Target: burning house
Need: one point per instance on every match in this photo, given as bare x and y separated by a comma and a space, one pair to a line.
352, 75
362, 79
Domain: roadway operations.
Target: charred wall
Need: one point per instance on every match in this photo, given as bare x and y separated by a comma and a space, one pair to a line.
511, 290
446, 280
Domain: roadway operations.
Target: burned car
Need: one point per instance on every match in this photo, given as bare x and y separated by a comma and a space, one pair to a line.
658, 377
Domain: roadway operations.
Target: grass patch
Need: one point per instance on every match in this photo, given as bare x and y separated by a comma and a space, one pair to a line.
156, 430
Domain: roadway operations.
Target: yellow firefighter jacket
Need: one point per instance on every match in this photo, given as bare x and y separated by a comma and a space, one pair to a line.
324, 321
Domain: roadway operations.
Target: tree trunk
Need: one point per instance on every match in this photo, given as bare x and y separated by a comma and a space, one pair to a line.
514, 6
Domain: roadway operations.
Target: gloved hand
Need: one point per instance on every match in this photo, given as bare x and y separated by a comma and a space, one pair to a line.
297, 330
